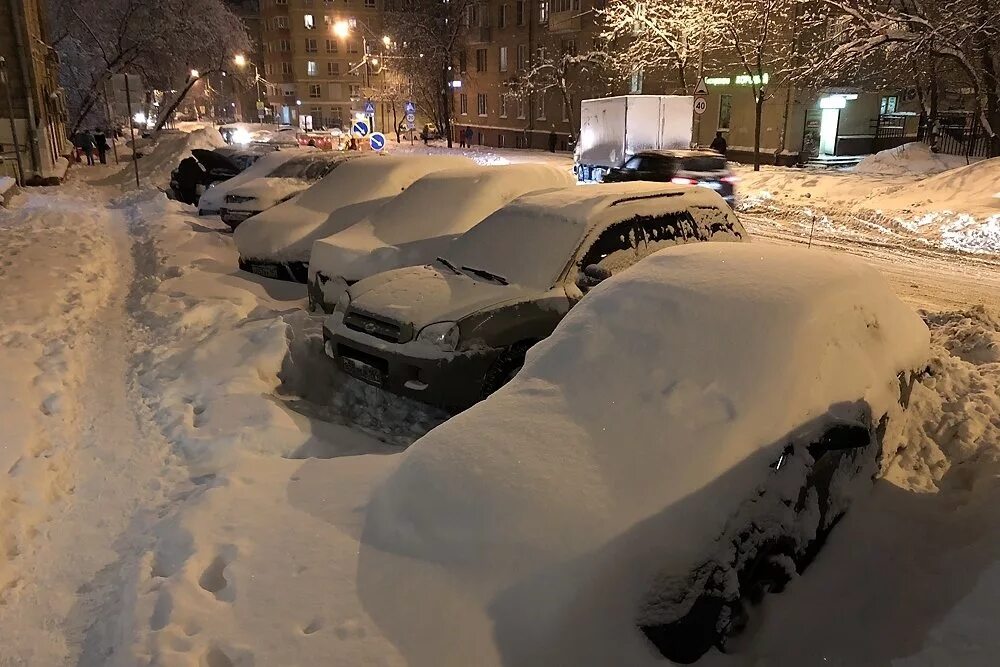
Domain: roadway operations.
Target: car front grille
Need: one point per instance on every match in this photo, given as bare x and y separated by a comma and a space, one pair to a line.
238, 199
386, 331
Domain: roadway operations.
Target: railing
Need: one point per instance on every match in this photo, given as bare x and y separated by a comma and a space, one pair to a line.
957, 133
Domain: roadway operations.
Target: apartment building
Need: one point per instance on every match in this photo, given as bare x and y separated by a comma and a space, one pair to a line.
507, 38
314, 59
36, 115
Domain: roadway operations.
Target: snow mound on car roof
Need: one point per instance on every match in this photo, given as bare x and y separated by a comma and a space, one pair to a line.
634, 431
342, 198
215, 197
433, 211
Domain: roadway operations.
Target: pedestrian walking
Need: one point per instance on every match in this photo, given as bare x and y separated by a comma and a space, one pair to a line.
101, 142
719, 144
461, 138
468, 137
87, 145
553, 140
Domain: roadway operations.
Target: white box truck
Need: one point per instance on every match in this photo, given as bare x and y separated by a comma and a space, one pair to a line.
613, 128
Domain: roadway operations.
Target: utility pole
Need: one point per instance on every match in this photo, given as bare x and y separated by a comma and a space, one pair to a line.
13, 124
107, 103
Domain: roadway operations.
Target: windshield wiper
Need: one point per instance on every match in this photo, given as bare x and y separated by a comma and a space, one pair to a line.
483, 273
449, 265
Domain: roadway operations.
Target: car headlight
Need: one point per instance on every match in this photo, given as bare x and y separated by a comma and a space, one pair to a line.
343, 303
442, 335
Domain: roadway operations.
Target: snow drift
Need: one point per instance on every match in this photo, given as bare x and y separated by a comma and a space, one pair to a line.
915, 158
163, 155
633, 433
414, 228
342, 198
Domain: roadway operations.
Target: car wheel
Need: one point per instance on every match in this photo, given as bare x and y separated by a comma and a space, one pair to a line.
505, 367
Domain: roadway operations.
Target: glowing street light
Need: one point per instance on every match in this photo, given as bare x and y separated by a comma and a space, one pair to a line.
387, 40
375, 61
194, 74
341, 29
240, 60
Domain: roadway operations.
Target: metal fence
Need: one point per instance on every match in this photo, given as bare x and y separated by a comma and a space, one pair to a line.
958, 133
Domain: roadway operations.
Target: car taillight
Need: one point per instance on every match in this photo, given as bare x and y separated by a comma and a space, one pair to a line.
730, 179
677, 180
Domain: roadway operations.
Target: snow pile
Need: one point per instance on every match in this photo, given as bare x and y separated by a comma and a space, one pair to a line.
162, 156
215, 197
909, 159
551, 505
414, 228
340, 199
7, 189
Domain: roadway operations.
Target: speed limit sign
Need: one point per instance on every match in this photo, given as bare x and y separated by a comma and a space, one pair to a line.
700, 105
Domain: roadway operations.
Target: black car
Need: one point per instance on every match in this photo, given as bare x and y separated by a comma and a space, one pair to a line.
682, 167
204, 167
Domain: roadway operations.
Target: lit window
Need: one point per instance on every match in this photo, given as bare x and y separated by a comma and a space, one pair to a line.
310, 21
311, 68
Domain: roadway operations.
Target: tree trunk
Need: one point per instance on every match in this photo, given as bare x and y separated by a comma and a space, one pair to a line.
169, 111
395, 123
445, 105
758, 113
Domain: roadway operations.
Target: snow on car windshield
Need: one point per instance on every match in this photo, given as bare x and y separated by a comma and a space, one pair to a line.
519, 244
310, 168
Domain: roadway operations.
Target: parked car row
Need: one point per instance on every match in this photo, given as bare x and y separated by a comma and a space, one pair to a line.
754, 374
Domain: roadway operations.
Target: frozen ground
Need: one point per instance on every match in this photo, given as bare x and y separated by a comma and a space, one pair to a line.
183, 479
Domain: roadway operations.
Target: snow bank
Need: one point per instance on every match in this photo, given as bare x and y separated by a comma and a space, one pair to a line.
342, 198
215, 197
162, 156
7, 189
553, 503
414, 227
915, 158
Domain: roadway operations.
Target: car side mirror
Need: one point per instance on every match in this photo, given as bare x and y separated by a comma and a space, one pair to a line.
591, 276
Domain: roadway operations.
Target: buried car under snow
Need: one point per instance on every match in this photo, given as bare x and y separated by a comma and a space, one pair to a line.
277, 242
214, 198
416, 226
683, 442
452, 332
281, 184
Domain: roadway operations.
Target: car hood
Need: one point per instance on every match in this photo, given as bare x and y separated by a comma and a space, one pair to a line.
270, 191
422, 295
212, 160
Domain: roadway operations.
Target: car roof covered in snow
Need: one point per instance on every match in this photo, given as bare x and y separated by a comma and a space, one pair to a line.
340, 199
535, 235
633, 433
215, 197
459, 199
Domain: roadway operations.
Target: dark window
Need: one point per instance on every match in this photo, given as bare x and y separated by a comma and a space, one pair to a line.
725, 111
706, 163
632, 164
712, 221
615, 249
662, 231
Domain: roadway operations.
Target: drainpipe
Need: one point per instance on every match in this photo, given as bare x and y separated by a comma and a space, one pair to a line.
29, 89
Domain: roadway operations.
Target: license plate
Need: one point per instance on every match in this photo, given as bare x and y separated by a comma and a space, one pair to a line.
362, 371
266, 270
713, 185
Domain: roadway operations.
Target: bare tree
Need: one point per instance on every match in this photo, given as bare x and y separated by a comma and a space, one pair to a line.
431, 34
565, 71
664, 36
162, 40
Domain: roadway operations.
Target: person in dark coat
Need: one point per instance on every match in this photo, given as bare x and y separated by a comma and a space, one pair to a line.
719, 144
468, 137
101, 142
461, 138
87, 144
425, 135
553, 140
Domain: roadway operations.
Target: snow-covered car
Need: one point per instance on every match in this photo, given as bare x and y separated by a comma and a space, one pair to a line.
213, 199
277, 242
281, 184
205, 168
684, 442
414, 228
452, 332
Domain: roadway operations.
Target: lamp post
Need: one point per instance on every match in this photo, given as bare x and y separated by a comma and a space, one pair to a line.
342, 29
241, 62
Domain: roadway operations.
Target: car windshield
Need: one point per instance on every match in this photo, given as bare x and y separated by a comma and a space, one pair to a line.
307, 169
518, 248
704, 163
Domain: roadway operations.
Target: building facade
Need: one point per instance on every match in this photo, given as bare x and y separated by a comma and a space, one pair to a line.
314, 64
36, 112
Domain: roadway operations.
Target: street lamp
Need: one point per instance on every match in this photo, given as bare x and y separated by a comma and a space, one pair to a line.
342, 29
387, 40
241, 61
194, 74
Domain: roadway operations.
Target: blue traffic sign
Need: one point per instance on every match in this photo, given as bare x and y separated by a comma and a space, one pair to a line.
410, 107
369, 107
377, 140
361, 128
